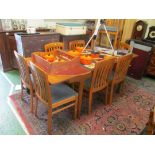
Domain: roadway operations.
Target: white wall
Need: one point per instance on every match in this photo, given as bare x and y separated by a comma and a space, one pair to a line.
44, 23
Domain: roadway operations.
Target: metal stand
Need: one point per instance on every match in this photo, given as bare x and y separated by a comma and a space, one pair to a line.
94, 35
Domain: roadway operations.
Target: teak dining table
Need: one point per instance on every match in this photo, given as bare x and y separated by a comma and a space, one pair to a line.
72, 74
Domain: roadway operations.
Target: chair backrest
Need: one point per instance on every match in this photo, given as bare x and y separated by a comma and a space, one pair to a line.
112, 22
121, 69
76, 43
54, 46
23, 70
124, 46
41, 84
101, 74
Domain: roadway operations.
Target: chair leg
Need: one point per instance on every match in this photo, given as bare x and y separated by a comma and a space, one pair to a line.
36, 105
22, 90
49, 121
90, 103
120, 87
31, 100
106, 95
75, 108
111, 94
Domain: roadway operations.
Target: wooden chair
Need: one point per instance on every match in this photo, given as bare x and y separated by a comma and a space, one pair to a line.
119, 74
76, 43
25, 77
54, 46
56, 97
124, 46
99, 80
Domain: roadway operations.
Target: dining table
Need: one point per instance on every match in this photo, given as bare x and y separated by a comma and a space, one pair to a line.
71, 74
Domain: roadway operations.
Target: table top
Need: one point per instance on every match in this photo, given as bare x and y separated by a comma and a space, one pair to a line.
71, 73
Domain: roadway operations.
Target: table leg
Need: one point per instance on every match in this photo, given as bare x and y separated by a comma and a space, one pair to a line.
80, 97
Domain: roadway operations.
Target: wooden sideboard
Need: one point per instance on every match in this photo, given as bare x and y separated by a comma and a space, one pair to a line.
28, 43
7, 43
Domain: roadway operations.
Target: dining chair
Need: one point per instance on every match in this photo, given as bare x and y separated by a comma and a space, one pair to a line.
56, 97
25, 77
76, 43
124, 46
99, 80
54, 46
119, 74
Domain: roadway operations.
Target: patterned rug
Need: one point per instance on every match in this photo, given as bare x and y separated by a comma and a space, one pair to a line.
127, 115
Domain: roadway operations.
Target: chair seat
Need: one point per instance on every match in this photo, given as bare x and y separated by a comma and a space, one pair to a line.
61, 91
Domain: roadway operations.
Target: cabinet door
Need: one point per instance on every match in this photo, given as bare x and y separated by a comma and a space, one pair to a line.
139, 64
12, 47
36, 43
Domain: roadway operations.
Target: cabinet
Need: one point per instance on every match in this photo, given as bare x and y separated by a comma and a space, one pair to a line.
140, 63
7, 45
28, 43
12, 46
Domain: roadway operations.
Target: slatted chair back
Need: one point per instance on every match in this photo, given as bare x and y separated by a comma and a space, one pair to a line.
54, 46
23, 70
76, 43
112, 22
121, 69
124, 46
101, 74
41, 84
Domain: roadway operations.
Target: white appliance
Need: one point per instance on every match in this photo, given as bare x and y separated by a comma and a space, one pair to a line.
71, 28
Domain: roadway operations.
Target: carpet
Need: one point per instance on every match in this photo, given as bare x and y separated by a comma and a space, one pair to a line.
127, 115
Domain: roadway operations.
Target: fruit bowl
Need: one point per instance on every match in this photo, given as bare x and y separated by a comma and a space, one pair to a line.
93, 55
80, 49
49, 57
74, 52
86, 59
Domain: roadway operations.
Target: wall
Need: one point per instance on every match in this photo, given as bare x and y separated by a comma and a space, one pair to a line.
127, 30
42, 23
129, 24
